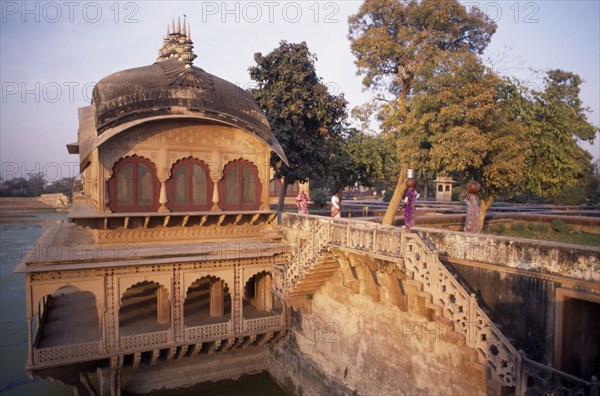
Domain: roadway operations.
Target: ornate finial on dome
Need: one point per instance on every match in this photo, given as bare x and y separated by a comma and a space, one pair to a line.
178, 44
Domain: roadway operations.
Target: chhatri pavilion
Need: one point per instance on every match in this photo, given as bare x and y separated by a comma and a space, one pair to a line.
169, 247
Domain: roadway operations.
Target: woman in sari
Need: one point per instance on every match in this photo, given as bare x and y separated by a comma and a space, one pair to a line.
302, 203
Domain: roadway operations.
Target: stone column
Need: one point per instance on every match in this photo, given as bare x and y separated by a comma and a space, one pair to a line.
259, 298
162, 305
268, 285
216, 173
179, 300
216, 298
237, 313
103, 177
106, 199
101, 309
215, 198
104, 380
162, 198
262, 293
111, 321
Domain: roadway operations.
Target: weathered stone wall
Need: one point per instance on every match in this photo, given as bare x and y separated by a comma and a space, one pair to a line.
523, 306
58, 200
564, 260
350, 344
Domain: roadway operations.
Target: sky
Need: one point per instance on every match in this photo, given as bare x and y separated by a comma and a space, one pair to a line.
52, 54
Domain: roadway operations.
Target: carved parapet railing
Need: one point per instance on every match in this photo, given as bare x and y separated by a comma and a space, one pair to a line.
308, 252
145, 340
211, 332
264, 325
67, 353
362, 236
469, 319
536, 379
278, 273
388, 241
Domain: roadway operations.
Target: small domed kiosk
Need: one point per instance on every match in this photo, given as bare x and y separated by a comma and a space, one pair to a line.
171, 137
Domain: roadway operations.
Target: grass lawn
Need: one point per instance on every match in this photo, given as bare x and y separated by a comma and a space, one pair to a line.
557, 231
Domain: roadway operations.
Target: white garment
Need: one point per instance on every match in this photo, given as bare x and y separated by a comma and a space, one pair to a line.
335, 204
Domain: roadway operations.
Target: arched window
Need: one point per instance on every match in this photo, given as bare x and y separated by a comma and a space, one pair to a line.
190, 187
144, 308
240, 188
134, 186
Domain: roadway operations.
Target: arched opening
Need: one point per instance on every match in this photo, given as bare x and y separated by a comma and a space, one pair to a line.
240, 188
134, 186
68, 316
258, 298
207, 301
144, 308
190, 187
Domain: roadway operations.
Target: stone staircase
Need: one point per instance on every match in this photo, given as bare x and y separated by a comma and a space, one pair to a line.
320, 271
437, 293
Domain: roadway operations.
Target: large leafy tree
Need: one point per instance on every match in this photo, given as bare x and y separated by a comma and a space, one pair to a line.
466, 121
304, 116
396, 41
556, 119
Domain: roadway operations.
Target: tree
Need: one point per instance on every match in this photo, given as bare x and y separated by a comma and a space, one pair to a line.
465, 121
304, 117
36, 183
556, 118
361, 158
395, 41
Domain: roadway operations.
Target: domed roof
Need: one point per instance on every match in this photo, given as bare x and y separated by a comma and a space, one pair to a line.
172, 87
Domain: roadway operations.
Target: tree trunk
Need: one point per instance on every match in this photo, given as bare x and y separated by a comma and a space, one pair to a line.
483, 207
281, 202
390, 213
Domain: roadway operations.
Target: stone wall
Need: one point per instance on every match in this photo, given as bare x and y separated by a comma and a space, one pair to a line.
522, 306
348, 343
57, 200
560, 259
